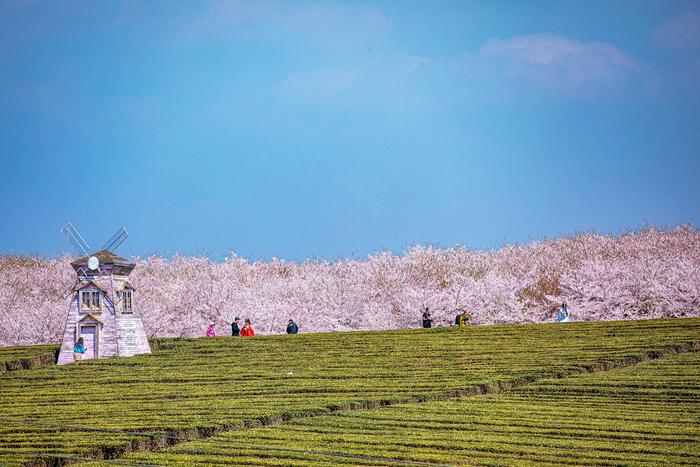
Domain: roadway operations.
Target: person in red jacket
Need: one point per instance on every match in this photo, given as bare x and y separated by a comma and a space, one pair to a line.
247, 329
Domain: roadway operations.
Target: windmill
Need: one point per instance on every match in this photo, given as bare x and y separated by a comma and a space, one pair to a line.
91, 269
102, 309
82, 248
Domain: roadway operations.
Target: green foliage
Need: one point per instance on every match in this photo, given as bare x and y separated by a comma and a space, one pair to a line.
197, 387
646, 414
23, 358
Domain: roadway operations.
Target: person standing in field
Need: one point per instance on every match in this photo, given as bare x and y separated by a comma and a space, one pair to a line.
235, 327
211, 332
247, 329
427, 319
292, 327
78, 350
464, 318
564, 315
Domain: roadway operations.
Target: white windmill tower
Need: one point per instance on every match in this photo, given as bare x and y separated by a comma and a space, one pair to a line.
102, 309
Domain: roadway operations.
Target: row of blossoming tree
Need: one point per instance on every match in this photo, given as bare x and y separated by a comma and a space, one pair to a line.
648, 274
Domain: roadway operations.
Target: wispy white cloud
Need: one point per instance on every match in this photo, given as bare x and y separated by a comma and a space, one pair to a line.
299, 18
682, 32
557, 60
382, 73
321, 83
409, 64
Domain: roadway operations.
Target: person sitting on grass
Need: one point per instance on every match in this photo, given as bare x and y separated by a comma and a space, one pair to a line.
247, 329
564, 315
235, 327
427, 319
464, 318
211, 332
292, 327
78, 350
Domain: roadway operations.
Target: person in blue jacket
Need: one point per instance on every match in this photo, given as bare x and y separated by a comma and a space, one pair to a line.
564, 315
78, 350
292, 327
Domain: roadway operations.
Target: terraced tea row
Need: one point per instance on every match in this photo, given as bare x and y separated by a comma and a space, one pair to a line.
21, 358
648, 414
202, 386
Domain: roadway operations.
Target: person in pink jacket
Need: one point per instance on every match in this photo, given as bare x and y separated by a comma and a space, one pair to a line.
211, 332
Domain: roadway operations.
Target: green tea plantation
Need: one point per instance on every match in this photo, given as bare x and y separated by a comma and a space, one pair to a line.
580, 393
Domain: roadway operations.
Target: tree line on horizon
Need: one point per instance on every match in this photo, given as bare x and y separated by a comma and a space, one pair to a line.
651, 273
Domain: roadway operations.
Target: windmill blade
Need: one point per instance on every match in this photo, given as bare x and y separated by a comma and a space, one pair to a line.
68, 290
75, 239
116, 240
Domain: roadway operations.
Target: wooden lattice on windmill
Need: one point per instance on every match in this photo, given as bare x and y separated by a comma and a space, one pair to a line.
103, 309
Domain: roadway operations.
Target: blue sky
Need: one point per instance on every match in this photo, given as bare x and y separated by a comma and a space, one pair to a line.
331, 129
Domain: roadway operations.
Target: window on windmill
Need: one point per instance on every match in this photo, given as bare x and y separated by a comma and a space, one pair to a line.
126, 300
96, 301
90, 300
85, 300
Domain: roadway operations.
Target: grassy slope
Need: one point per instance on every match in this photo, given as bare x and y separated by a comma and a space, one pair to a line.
646, 414
200, 386
22, 358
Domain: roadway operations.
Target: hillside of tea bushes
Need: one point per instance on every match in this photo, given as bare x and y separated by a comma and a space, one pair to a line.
192, 388
646, 414
22, 358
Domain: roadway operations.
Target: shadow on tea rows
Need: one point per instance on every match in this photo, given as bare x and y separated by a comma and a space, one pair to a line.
200, 387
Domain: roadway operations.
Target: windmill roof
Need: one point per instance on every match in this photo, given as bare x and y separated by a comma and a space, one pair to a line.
105, 257
124, 285
82, 285
90, 315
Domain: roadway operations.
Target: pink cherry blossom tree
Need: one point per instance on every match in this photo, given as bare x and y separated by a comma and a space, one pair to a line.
646, 274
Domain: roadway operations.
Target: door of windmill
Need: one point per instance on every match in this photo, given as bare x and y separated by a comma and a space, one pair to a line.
89, 335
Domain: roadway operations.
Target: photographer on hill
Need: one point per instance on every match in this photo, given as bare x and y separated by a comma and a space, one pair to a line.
462, 319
